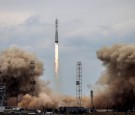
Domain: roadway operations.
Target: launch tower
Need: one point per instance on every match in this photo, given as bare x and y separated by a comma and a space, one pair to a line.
79, 83
91, 95
32, 82
3, 93
3, 99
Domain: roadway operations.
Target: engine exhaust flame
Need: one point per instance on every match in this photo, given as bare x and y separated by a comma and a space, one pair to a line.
56, 60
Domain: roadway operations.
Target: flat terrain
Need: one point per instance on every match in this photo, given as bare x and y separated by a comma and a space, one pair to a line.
94, 113
112, 113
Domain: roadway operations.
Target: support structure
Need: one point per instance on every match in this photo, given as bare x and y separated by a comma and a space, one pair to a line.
79, 83
32, 81
3, 97
91, 93
3, 92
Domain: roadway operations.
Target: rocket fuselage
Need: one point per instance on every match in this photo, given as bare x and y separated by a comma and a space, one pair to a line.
56, 38
56, 34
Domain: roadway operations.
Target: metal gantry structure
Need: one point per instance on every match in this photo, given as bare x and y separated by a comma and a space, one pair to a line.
79, 83
91, 96
3, 92
32, 81
3, 97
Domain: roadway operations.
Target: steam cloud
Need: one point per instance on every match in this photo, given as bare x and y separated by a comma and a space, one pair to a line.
119, 76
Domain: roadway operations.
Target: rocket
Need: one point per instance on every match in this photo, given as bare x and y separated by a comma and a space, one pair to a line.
56, 33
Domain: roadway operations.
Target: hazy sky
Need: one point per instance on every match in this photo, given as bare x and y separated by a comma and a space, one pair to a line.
84, 27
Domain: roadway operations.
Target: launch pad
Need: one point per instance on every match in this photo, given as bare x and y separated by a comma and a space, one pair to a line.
63, 111
23, 79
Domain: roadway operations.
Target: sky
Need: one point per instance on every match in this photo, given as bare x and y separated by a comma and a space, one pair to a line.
84, 27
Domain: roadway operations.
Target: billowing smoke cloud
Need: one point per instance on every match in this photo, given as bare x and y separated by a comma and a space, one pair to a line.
15, 71
119, 77
53, 100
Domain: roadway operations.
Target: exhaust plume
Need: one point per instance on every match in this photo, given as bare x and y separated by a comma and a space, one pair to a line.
118, 78
56, 60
